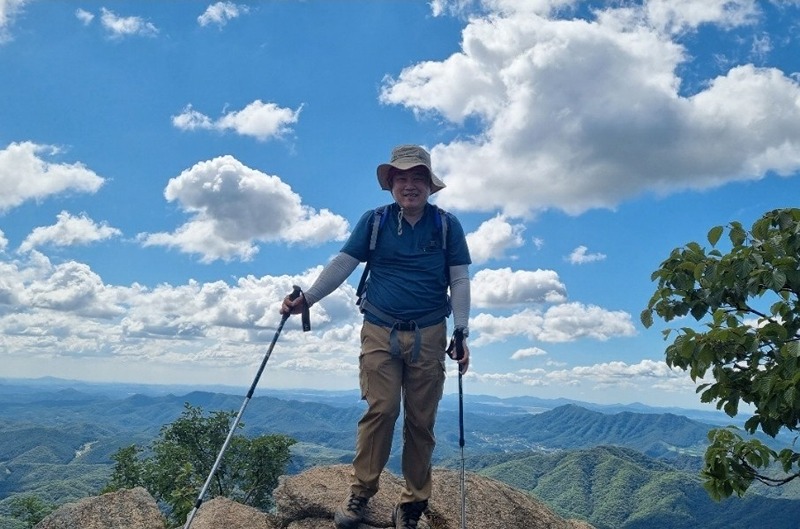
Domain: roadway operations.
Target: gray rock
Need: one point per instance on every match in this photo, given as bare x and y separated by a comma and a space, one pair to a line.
307, 501
222, 512
124, 509
314, 494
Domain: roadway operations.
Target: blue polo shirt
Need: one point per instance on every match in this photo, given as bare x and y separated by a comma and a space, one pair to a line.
408, 278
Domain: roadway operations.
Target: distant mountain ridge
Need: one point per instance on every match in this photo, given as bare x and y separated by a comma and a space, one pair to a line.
56, 441
572, 426
523, 404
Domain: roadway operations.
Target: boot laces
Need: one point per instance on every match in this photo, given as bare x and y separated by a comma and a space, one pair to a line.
356, 503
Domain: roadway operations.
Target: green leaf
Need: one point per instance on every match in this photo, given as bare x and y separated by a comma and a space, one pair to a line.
778, 280
714, 234
760, 228
699, 310
737, 234
699, 269
646, 318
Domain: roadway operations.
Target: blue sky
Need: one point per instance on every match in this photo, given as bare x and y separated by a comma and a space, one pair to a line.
168, 170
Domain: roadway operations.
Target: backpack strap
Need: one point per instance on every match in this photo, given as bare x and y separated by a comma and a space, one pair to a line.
378, 218
441, 221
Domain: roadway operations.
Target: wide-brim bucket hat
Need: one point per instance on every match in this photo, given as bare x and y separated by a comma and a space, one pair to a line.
405, 157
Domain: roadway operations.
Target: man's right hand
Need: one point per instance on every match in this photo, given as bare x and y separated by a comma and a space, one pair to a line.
293, 306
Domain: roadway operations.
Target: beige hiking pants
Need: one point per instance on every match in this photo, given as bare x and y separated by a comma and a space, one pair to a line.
384, 380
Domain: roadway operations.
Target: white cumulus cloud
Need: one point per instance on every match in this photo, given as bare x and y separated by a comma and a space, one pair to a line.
581, 113
84, 16
221, 12
233, 207
26, 175
506, 287
9, 9
566, 322
493, 238
121, 26
528, 352
69, 230
62, 311
258, 119
642, 377
581, 255
676, 16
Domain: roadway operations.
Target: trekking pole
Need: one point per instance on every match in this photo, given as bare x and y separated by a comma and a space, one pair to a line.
456, 352
294, 295
461, 444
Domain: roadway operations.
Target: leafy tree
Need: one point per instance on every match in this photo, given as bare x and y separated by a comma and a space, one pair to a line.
747, 302
127, 472
181, 458
29, 509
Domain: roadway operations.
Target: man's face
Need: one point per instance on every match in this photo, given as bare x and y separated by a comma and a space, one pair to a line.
411, 188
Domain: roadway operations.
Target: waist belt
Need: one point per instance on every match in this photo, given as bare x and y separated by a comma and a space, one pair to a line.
399, 325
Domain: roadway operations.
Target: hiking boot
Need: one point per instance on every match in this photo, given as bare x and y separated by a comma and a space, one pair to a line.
350, 512
406, 515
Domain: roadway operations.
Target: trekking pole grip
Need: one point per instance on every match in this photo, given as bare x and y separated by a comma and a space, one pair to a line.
306, 317
296, 291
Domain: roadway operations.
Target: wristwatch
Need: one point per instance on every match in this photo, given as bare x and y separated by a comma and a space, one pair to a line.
464, 331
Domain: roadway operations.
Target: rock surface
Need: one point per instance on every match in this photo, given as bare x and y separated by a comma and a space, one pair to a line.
124, 509
307, 501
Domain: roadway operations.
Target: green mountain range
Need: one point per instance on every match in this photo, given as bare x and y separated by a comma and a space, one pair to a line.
614, 467
620, 488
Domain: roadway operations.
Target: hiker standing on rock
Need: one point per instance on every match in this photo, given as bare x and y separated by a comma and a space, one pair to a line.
415, 252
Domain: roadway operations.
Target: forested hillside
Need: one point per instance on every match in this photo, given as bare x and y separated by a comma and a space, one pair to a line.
621, 470
620, 488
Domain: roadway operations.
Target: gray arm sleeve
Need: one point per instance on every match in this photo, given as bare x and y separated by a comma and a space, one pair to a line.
460, 295
333, 274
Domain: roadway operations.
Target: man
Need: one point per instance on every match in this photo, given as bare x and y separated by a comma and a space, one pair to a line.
415, 253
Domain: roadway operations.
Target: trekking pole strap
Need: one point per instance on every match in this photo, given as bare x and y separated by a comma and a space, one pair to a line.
305, 316
456, 348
